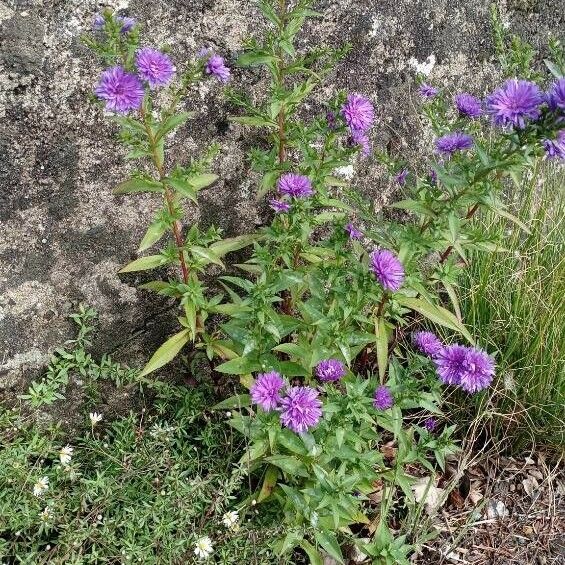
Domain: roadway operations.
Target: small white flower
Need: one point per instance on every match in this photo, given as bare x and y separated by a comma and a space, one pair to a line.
46, 514
41, 486
66, 454
230, 520
95, 418
203, 548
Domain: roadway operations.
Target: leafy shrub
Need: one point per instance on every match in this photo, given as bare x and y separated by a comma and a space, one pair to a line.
318, 325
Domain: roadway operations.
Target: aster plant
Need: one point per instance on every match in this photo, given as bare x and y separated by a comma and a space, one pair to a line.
129, 90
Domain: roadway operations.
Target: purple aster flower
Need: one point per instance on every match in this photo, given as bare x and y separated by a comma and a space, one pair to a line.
400, 177
279, 206
433, 176
358, 113
295, 185
353, 232
452, 142
478, 370
427, 343
122, 91
99, 22
555, 148
430, 424
204, 53
266, 390
383, 399
361, 139
154, 67
330, 370
301, 408
468, 105
556, 95
216, 66
450, 364
427, 91
515, 102
387, 268
127, 23
331, 120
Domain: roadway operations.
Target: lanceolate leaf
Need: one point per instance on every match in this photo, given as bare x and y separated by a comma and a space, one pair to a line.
312, 552
269, 483
144, 263
138, 185
207, 254
167, 352
224, 246
289, 464
512, 218
436, 314
183, 188
153, 234
201, 181
171, 123
253, 121
329, 542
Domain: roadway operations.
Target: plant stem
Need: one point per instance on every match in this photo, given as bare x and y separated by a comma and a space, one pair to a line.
280, 83
168, 196
446, 253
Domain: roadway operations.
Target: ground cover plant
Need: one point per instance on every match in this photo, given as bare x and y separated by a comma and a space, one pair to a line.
337, 435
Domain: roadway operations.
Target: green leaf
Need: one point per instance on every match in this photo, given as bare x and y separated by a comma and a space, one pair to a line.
183, 188
289, 440
225, 246
236, 401
312, 553
138, 185
329, 542
255, 451
413, 206
289, 464
155, 286
258, 121
554, 69
201, 181
171, 123
436, 314
454, 300
269, 483
511, 217
190, 313
252, 58
153, 234
207, 254
167, 352
144, 263
335, 181
239, 366
381, 339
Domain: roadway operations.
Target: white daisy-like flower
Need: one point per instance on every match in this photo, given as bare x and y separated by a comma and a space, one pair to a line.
230, 520
95, 418
203, 548
41, 486
46, 515
66, 454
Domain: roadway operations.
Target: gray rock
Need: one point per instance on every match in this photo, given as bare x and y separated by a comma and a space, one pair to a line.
64, 235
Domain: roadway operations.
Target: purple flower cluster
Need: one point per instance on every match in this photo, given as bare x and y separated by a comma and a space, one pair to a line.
126, 23
470, 368
453, 142
266, 390
427, 343
556, 96
297, 186
122, 91
300, 408
514, 103
353, 232
383, 399
387, 269
430, 424
359, 115
401, 176
279, 206
468, 105
154, 67
216, 66
427, 91
330, 370
555, 148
